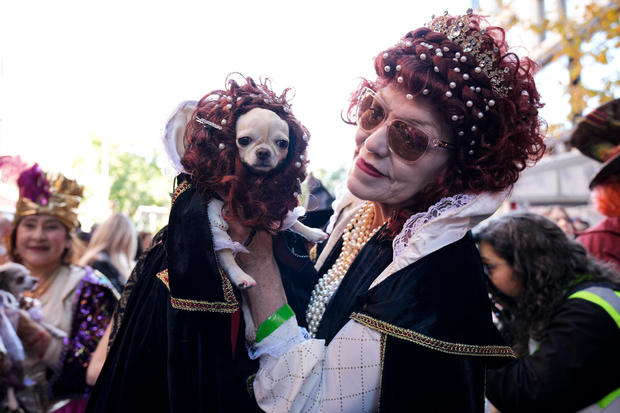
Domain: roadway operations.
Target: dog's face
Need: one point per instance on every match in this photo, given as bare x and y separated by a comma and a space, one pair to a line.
15, 278
262, 139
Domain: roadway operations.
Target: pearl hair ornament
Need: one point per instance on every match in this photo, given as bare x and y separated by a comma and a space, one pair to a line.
425, 92
206, 123
409, 96
458, 30
221, 146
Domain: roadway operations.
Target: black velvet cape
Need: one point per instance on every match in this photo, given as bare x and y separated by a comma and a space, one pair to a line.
435, 320
178, 340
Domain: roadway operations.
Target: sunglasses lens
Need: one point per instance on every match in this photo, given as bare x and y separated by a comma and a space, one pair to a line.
406, 141
370, 113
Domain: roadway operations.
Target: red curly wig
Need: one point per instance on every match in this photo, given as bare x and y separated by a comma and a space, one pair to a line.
261, 201
606, 197
497, 135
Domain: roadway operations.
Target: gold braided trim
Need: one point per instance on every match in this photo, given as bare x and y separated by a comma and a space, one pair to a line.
230, 306
432, 343
179, 190
383, 341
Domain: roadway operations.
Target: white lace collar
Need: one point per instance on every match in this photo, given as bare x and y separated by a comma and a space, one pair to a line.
443, 223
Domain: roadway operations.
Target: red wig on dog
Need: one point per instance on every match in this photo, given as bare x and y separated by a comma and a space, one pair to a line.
261, 201
496, 135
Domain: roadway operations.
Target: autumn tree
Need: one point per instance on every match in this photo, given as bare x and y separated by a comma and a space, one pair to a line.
588, 33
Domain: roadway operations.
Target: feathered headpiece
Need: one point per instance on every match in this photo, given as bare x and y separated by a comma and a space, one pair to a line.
40, 193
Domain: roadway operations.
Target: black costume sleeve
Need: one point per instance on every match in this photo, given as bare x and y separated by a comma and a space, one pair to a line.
576, 365
178, 341
438, 382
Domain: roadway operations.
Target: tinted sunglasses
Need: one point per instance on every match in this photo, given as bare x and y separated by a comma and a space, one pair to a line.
405, 139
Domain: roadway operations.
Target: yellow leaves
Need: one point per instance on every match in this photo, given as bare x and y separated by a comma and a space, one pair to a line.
601, 58
577, 100
588, 37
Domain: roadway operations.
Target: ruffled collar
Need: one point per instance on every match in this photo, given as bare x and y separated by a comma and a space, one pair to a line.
443, 223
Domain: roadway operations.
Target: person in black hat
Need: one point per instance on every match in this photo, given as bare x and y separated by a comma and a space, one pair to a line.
598, 137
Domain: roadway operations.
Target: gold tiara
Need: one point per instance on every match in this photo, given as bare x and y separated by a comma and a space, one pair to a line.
62, 204
458, 30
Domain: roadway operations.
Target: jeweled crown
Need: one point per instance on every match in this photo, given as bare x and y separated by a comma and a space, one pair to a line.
458, 30
60, 198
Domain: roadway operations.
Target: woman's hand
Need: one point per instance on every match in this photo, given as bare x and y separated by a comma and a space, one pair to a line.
268, 295
35, 338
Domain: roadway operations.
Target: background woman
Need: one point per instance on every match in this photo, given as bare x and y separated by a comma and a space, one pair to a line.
562, 308
400, 316
112, 249
74, 300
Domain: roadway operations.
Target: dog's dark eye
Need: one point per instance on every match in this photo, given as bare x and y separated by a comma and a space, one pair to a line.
282, 144
20, 279
244, 141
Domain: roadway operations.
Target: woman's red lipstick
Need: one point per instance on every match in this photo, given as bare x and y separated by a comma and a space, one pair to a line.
368, 168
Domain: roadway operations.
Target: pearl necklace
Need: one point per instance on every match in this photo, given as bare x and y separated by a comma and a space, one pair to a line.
355, 236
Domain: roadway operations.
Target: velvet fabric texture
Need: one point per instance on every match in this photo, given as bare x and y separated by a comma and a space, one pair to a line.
178, 344
442, 298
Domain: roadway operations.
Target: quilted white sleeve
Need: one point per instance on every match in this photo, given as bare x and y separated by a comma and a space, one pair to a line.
344, 376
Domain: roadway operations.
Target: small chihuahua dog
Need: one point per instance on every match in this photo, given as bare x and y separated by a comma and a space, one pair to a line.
262, 139
15, 278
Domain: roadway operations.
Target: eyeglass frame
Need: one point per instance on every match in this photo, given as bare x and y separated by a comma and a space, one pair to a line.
433, 141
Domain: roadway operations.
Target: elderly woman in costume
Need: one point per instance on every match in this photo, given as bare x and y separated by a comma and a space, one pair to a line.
75, 302
177, 343
400, 317
562, 309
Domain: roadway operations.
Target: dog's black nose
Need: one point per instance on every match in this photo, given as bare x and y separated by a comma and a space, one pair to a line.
263, 154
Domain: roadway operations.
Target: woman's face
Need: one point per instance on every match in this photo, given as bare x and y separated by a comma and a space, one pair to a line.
381, 176
500, 273
40, 242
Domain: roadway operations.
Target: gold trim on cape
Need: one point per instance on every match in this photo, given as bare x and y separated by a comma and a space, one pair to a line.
179, 190
432, 343
230, 306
